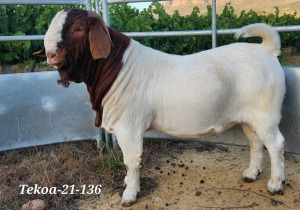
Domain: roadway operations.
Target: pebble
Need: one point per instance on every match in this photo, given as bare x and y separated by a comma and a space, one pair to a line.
151, 176
198, 193
157, 199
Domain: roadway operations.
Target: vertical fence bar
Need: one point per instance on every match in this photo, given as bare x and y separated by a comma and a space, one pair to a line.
88, 4
100, 138
109, 138
105, 14
105, 17
97, 7
214, 24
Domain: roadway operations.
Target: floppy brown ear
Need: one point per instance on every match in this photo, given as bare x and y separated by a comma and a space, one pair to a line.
99, 38
40, 53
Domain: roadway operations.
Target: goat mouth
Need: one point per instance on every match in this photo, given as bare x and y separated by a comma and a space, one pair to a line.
55, 65
58, 65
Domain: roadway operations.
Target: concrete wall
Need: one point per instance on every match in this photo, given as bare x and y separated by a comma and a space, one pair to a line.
35, 110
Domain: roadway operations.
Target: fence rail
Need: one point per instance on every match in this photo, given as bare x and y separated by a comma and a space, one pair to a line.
158, 33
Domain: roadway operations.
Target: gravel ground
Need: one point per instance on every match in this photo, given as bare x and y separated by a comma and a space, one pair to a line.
197, 176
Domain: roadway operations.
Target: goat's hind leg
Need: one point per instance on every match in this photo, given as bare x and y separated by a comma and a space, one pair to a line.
256, 154
274, 141
131, 145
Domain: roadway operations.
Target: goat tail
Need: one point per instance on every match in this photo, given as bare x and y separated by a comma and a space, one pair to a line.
271, 38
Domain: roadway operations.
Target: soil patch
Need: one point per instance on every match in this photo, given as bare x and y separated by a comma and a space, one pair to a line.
174, 175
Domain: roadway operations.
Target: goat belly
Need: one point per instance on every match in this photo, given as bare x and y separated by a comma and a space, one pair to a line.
215, 130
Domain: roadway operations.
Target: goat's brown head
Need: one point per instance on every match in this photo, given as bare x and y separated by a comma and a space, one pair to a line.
75, 37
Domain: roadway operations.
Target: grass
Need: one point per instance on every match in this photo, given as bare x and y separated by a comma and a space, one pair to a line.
109, 159
76, 164
70, 163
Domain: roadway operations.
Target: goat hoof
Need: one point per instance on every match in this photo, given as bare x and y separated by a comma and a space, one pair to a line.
248, 180
128, 204
279, 192
250, 175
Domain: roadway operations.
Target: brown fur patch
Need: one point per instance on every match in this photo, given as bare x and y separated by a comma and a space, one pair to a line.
92, 54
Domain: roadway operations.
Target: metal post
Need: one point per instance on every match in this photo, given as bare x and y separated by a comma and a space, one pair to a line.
115, 143
88, 4
105, 17
107, 137
99, 138
97, 7
105, 14
214, 24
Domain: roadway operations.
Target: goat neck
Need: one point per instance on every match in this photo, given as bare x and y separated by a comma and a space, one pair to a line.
101, 73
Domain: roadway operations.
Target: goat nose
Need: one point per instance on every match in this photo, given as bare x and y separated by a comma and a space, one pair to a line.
51, 55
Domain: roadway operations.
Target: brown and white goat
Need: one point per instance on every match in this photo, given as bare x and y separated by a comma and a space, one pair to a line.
134, 88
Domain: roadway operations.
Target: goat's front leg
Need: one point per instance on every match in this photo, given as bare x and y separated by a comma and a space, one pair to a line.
256, 154
131, 145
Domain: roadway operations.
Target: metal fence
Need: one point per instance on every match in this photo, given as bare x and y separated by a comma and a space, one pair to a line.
105, 15
213, 32
291, 118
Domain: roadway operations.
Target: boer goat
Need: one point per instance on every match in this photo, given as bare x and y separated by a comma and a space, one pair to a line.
134, 88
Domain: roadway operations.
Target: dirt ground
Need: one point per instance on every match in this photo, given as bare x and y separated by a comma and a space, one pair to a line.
174, 175
205, 177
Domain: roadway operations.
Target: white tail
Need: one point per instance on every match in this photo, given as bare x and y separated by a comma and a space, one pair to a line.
271, 39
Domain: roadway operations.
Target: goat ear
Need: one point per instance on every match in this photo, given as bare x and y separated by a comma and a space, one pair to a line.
99, 38
40, 53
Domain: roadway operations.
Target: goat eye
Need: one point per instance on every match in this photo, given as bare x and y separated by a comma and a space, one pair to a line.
79, 30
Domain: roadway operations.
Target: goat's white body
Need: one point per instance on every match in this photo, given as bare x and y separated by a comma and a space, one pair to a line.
194, 94
200, 94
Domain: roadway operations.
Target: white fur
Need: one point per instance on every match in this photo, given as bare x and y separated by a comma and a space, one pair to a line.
200, 94
54, 33
271, 39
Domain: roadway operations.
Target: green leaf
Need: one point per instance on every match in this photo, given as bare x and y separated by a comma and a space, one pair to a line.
8, 56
